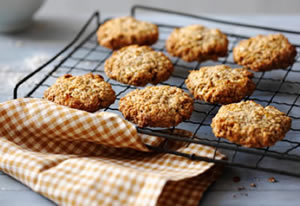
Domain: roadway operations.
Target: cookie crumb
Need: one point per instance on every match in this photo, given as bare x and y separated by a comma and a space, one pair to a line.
252, 185
272, 179
236, 179
241, 188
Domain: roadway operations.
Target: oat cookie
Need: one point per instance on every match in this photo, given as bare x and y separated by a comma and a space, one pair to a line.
138, 65
220, 84
197, 43
250, 124
265, 52
124, 31
88, 92
157, 106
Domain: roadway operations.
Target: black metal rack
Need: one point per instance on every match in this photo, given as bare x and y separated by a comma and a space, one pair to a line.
278, 87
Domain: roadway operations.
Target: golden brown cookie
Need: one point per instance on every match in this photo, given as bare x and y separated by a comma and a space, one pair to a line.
88, 92
124, 31
157, 106
265, 52
138, 65
220, 84
197, 43
250, 124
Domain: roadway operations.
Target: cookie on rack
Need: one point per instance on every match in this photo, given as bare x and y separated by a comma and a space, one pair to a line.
156, 106
265, 52
220, 84
250, 124
138, 66
88, 92
197, 43
119, 32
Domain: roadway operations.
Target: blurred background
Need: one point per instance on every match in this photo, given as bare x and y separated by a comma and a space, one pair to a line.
193, 6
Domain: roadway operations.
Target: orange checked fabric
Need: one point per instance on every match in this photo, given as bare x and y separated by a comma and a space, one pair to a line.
78, 158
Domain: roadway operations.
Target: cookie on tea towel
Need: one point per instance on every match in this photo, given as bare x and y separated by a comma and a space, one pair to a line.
157, 106
197, 43
124, 31
88, 92
265, 52
250, 124
220, 84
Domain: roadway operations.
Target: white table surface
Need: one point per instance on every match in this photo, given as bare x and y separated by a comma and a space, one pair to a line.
50, 33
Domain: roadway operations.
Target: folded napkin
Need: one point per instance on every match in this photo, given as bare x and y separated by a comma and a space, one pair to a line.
78, 158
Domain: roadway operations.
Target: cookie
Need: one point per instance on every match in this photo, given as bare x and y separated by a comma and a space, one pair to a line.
88, 92
138, 65
250, 124
220, 84
265, 52
124, 31
197, 43
156, 106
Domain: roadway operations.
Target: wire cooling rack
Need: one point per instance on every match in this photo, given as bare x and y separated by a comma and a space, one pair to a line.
280, 88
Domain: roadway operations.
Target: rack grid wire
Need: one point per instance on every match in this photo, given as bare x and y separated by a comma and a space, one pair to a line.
280, 88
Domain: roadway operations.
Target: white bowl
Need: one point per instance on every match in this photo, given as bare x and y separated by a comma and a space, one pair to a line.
16, 15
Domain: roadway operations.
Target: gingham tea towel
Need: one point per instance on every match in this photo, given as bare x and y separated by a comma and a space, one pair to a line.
79, 158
